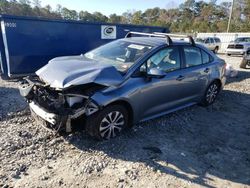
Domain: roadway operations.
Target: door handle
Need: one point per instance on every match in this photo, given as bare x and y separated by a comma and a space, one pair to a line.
180, 78
207, 70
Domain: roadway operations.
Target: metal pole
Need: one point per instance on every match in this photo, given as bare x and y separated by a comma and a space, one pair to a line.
230, 17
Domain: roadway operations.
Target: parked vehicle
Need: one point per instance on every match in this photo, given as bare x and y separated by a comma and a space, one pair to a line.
246, 59
126, 81
212, 43
239, 46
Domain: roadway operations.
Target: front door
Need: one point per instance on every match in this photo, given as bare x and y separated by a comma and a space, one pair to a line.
159, 95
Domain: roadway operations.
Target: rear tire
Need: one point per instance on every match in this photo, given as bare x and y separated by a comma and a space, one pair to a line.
243, 64
211, 94
216, 49
107, 123
228, 54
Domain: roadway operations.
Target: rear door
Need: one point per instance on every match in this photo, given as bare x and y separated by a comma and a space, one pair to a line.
196, 71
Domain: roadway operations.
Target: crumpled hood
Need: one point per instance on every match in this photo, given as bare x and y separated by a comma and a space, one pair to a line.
63, 72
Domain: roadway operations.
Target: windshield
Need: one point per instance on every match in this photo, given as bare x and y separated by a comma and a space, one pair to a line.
242, 40
120, 54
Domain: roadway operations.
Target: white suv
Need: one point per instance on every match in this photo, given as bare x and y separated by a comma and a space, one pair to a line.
212, 43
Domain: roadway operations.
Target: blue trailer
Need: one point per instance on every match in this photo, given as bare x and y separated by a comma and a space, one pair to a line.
26, 44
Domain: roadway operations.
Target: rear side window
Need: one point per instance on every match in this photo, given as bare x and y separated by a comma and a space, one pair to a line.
206, 58
193, 56
217, 40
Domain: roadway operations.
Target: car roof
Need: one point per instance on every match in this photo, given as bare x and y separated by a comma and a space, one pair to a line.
155, 41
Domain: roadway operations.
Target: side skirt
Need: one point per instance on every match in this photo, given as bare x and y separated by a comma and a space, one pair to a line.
168, 112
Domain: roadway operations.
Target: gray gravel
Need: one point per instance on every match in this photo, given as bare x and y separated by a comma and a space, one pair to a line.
190, 148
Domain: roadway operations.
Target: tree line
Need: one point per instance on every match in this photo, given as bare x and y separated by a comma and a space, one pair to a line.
191, 16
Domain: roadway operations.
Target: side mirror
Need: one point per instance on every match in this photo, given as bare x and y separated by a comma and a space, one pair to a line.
156, 73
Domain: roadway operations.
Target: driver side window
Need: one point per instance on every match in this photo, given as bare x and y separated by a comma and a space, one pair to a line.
167, 59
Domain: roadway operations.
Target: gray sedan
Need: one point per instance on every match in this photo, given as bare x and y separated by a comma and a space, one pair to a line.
130, 80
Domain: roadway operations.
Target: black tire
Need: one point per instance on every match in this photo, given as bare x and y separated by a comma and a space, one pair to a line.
211, 94
216, 49
243, 64
228, 54
99, 120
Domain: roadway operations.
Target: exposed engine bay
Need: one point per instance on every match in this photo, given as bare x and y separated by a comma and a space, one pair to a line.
58, 107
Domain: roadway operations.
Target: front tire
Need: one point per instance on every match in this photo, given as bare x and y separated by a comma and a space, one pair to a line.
211, 94
107, 123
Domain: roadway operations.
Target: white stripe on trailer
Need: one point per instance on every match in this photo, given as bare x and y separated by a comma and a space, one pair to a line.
6, 49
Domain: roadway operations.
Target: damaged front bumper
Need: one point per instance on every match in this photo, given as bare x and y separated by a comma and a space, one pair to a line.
58, 110
58, 122
49, 117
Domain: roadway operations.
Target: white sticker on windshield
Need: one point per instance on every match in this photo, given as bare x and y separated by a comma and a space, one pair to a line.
136, 46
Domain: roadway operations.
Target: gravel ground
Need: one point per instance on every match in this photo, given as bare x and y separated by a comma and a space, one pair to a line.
194, 147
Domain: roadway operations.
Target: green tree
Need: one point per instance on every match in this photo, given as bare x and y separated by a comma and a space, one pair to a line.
69, 14
114, 18
86, 16
99, 17
37, 3
137, 18
127, 17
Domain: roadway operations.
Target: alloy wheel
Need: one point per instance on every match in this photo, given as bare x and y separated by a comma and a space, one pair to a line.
112, 124
212, 93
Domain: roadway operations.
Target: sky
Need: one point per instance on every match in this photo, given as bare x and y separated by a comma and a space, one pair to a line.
108, 7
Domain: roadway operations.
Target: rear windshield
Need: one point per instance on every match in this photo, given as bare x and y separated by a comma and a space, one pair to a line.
120, 54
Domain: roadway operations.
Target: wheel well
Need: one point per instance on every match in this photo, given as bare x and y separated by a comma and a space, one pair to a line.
217, 81
129, 109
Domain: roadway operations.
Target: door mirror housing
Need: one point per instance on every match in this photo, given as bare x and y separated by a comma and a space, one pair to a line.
155, 73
